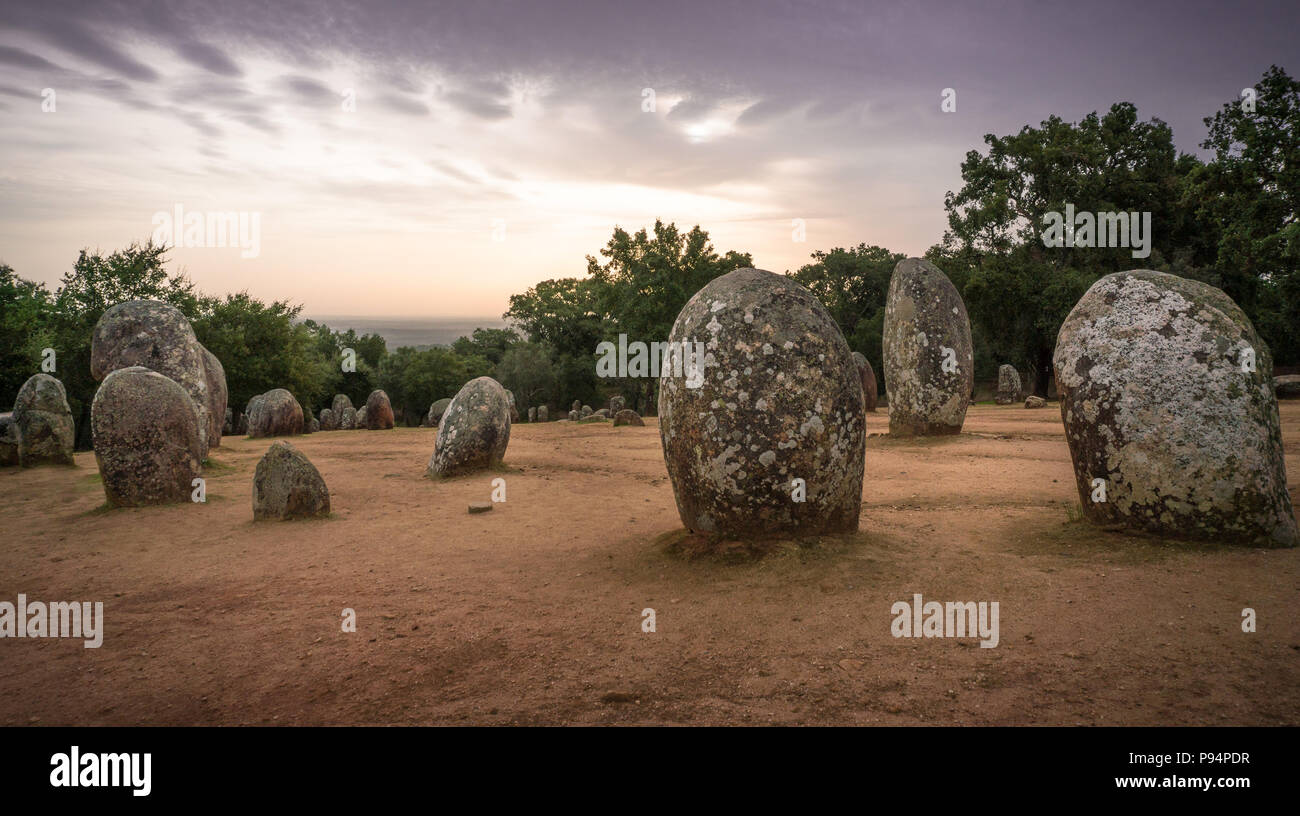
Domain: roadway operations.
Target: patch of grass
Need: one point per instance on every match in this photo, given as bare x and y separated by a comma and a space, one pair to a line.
216, 465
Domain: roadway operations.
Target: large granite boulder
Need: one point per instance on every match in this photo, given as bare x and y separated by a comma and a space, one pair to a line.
1008, 385
288, 486
474, 432
1167, 399
514, 410
436, 410
780, 401
341, 403
147, 439
543, 414
328, 420
44, 423
929, 359
217, 395
348, 419
867, 376
8, 440
532, 414
360, 423
157, 336
628, 417
1287, 386
275, 413
379, 411
616, 404
228, 426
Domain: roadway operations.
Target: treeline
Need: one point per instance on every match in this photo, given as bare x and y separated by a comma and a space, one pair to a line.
1230, 221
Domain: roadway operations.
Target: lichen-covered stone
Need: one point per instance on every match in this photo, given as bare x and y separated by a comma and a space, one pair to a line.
543, 413
288, 486
8, 440
348, 419
360, 423
157, 336
228, 427
628, 417
341, 402
929, 359
328, 420
275, 413
616, 404
474, 432
217, 396
436, 410
576, 406
574, 416
1033, 401
514, 410
867, 376
532, 414
1287, 386
586, 411
780, 400
43, 422
1008, 385
379, 411
1168, 405
146, 437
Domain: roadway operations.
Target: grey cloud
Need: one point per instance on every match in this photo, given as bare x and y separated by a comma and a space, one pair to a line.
208, 57
311, 90
403, 104
24, 59
481, 107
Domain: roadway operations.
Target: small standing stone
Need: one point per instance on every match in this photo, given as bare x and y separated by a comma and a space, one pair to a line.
288, 486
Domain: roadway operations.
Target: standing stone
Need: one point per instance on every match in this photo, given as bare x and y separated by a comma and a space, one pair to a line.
313, 426
8, 440
586, 411
867, 377
146, 437
543, 414
379, 411
474, 432
217, 396
241, 425
577, 406
288, 486
328, 420
1033, 401
436, 410
157, 336
340, 403
1008, 385
628, 417
929, 359
532, 414
44, 423
248, 411
228, 427
514, 411
616, 404
1169, 411
360, 423
574, 416
1287, 386
348, 419
780, 401
275, 413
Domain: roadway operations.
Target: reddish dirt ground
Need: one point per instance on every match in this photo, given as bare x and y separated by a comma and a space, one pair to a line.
531, 613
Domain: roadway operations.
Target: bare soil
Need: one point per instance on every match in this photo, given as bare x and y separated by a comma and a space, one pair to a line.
532, 612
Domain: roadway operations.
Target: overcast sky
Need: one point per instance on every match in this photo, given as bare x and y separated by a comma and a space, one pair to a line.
494, 145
